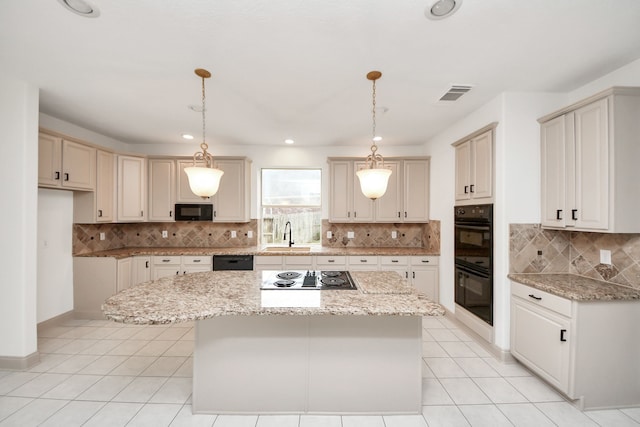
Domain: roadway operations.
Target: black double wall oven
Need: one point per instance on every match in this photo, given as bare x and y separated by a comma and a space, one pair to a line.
474, 259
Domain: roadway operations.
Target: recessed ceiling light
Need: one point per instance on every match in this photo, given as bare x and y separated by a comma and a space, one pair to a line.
441, 9
289, 141
187, 136
81, 7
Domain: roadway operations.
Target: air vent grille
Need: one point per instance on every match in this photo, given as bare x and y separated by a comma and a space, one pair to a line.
455, 92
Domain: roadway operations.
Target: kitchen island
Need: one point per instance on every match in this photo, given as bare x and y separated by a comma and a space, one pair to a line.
292, 351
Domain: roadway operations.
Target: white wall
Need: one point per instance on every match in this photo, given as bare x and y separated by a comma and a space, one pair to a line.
19, 152
55, 263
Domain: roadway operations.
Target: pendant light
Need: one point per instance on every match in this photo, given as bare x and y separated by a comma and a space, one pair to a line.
374, 177
203, 180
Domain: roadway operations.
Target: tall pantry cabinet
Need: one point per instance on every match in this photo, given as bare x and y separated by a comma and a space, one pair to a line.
589, 158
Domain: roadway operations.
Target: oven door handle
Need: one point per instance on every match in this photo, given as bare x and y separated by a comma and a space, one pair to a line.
472, 227
474, 272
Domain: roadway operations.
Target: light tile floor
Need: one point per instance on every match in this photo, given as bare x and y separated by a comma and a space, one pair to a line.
100, 373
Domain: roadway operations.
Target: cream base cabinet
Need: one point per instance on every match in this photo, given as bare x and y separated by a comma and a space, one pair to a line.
583, 348
474, 166
65, 164
588, 152
94, 280
141, 269
99, 205
132, 185
425, 276
164, 266
162, 185
395, 263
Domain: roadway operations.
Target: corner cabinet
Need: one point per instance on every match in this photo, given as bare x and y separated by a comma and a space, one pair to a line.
406, 198
474, 166
65, 164
582, 348
132, 186
589, 151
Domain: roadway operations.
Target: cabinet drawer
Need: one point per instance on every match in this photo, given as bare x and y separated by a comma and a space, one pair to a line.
197, 260
305, 260
166, 260
363, 260
268, 260
542, 299
394, 260
331, 260
424, 260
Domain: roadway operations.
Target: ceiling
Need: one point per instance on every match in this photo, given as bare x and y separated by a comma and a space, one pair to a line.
296, 68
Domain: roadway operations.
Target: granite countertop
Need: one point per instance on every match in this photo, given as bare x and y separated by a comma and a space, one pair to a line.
255, 250
200, 296
576, 287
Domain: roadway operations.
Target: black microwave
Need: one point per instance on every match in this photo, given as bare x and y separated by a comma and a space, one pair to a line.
194, 212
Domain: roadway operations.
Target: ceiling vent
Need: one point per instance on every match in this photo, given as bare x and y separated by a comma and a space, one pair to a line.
455, 92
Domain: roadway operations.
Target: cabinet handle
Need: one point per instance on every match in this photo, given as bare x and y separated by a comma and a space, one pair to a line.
331, 260
166, 260
215, 214
425, 260
573, 214
146, 264
535, 297
363, 260
562, 337
406, 274
99, 213
413, 274
398, 214
57, 176
394, 260
466, 189
184, 272
559, 214
66, 177
197, 260
348, 214
355, 214
170, 214
177, 273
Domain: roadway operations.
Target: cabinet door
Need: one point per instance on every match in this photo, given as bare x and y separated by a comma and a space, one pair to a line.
416, 190
131, 189
553, 162
162, 181
105, 188
463, 171
230, 203
340, 190
389, 207
482, 169
49, 160
426, 281
536, 335
141, 270
183, 191
124, 274
592, 166
362, 207
78, 166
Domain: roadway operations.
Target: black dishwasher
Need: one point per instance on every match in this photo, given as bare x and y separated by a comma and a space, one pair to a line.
232, 262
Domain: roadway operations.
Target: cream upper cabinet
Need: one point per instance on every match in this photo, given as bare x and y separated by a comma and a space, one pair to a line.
183, 191
131, 189
232, 201
99, 205
65, 164
406, 198
588, 152
474, 166
162, 184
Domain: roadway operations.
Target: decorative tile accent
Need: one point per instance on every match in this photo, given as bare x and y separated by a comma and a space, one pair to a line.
379, 235
537, 250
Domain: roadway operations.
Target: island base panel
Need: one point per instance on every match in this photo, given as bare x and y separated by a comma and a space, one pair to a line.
308, 364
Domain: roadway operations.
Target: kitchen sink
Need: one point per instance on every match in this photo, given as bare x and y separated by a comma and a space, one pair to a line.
287, 249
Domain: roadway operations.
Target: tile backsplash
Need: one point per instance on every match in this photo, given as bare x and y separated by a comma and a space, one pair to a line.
86, 237
537, 250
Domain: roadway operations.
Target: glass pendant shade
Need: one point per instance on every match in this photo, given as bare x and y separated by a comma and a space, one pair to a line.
203, 181
373, 182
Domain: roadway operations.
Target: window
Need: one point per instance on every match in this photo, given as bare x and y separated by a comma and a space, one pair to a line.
291, 195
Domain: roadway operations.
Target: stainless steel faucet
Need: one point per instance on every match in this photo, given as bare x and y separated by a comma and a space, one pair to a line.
288, 224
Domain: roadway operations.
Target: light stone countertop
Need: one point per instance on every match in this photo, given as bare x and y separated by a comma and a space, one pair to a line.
256, 250
576, 287
198, 296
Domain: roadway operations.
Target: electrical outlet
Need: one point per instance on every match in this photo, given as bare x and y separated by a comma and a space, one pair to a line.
329, 234
165, 234
234, 234
250, 234
102, 236
605, 256
394, 234
351, 235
